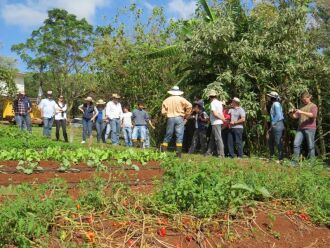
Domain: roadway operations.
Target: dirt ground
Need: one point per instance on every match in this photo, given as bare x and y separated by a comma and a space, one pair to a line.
269, 228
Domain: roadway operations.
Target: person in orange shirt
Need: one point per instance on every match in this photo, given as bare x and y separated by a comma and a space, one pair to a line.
177, 109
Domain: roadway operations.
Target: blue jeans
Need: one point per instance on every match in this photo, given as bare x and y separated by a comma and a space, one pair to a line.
48, 124
275, 139
100, 125
115, 130
309, 135
23, 122
127, 131
139, 132
87, 128
146, 143
174, 124
235, 137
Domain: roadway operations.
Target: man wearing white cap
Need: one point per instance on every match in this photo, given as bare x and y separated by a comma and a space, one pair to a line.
177, 109
47, 109
114, 114
217, 119
235, 134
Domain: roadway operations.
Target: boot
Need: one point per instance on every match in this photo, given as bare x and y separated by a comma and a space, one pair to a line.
179, 150
135, 143
163, 147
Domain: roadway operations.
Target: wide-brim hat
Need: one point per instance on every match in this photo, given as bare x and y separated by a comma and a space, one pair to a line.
100, 102
89, 99
273, 94
20, 92
236, 99
116, 96
175, 91
49, 92
212, 93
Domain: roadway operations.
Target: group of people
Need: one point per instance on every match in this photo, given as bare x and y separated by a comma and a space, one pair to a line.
108, 118
225, 121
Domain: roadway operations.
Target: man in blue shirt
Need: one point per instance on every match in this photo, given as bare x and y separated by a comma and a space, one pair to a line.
275, 132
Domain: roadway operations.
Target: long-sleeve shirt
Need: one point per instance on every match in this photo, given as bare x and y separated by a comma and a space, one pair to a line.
175, 106
276, 113
113, 110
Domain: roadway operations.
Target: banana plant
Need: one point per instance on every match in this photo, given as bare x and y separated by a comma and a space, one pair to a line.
186, 32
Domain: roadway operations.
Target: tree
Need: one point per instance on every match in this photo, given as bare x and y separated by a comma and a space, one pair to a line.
57, 52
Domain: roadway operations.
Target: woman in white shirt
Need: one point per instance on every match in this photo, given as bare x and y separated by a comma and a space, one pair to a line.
60, 118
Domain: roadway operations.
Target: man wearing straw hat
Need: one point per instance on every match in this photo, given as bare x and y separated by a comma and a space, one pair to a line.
177, 109
217, 119
114, 114
47, 109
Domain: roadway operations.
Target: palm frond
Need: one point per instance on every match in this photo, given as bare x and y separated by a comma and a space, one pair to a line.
207, 9
164, 52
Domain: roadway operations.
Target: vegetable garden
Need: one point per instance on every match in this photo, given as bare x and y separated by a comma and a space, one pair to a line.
68, 195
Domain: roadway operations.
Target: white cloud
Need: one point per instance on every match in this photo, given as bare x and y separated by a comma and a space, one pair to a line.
148, 5
31, 13
184, 9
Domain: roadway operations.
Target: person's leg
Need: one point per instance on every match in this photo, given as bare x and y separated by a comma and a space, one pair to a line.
278, 133
146, 143
238, 133
89, 128
125, 135
45, 127
118, 129
113, 126
203, 140
135, 135
310, 138
230, 142
218, 140
271, 143
103, 130
297, 144
169, 133
211, 143
84, 133
107, 131
50, 125
98, 131
57, 129
65, 134
194, 141
18, 120
224, 133
143, 135
28, 123
179, 132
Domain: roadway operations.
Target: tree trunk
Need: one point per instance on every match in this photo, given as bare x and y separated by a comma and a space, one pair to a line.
320, 119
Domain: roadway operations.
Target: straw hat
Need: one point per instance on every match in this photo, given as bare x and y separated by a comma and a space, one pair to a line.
100, 102
20, 92
212, 93
175, 91
116, 96
89, 99
273, 94
49, 92
237, 100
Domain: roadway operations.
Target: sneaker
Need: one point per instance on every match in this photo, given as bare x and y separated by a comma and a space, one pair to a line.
83, 142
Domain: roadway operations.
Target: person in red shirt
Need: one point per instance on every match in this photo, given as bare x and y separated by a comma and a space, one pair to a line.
226, 126
306, 116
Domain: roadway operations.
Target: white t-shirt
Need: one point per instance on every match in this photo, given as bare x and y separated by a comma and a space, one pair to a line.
60, 115
127, 119
47, 107
216, 106
113, 110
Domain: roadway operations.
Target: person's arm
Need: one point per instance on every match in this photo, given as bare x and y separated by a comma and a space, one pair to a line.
312, 114
120, 112
151, 125
81, 108
241, 120
96, 112
217, 115
188, 109
30, 105
107, 111
204, 117
40, 107
164, 109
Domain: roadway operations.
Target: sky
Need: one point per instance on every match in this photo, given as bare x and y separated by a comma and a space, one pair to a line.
18, 18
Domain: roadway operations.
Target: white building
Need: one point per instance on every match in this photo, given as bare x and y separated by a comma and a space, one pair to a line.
19, 81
